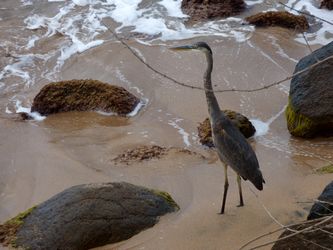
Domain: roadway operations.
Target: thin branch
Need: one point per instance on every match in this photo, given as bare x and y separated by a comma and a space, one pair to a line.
215, 91
314, 243
279, 229
293, 234
267, 211
310, 49
305, 13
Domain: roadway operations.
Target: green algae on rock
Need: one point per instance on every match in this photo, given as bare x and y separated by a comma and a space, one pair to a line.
310, 107
9, 228
83, 95
298, 124
167, 197
326, 169
239, 120
279, 18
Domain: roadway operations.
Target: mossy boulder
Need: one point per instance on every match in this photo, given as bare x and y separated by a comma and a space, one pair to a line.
83, 95
310, 108
91, 215
239, 120
9, 229
328, 4
210, 9
279, 18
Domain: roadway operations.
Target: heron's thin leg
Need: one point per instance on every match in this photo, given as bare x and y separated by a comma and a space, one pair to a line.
226, 186
241, 203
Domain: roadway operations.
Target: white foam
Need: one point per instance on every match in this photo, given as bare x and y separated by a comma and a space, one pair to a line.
253, 2
35, 22
26, 2
16, 69
173, 8
138, 107
35, 115
135, 111
8, 111
325, 34
76, 47
260, 126
181, 131
82, 2
31, 42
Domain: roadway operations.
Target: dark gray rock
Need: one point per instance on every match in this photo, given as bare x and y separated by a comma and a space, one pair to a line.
328, 4
311, 239
320, 209
87, 216
310, 109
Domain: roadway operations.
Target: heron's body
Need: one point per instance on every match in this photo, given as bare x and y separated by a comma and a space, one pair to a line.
232, 147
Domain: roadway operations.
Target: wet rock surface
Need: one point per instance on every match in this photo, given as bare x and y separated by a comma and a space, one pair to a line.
209, 9
311, 239
310, 109
324, 205
91, 215
83, 95
279, 18
317, 237
328, 4
239, 120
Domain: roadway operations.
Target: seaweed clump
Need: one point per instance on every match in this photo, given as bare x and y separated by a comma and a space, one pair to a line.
83, 95
239, 120
9, 229
140, 154
146, 153
279, 18
209, 9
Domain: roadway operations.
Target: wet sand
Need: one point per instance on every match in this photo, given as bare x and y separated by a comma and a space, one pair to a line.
40, 159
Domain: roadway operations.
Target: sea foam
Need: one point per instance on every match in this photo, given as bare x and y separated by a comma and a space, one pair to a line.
325, 34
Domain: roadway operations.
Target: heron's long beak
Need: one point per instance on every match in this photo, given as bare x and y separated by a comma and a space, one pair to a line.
184, 47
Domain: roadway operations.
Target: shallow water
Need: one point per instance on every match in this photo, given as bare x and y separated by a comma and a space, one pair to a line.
60, 40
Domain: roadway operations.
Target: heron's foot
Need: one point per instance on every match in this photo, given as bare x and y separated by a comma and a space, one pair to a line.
241, 204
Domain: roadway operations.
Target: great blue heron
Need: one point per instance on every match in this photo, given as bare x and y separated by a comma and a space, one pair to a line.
232, 147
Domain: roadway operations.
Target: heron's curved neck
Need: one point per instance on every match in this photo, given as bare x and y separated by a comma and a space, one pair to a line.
213, 106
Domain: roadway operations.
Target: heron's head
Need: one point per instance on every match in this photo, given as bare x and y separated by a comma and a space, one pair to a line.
202, 46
